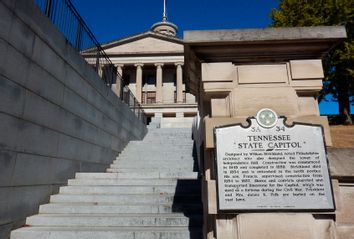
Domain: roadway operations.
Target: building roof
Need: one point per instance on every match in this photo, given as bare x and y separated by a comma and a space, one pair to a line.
139, 36
146, 43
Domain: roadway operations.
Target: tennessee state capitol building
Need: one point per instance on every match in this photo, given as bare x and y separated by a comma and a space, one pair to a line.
151, 65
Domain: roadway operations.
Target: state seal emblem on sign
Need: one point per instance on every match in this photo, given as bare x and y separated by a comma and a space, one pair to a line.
266, 118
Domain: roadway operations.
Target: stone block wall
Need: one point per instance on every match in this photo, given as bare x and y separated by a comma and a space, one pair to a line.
342, 136
56, 115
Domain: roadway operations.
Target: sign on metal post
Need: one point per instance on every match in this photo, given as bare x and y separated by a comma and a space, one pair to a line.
269, 165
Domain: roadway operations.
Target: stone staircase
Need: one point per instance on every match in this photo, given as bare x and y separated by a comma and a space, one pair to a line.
150, 191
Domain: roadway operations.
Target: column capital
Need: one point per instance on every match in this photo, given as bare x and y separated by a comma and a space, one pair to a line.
179, 63
139, 64
159, 64
119, 65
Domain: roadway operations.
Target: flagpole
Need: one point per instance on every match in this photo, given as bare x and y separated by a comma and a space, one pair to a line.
164, 11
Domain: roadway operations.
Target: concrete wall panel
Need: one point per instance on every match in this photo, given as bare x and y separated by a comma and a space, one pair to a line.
21, 37
43, 112
36, 139
12, 97
32, 169
5, 19
25, 200
75, 82
11, 66
44, 84
9, 131
47, 58
7, 166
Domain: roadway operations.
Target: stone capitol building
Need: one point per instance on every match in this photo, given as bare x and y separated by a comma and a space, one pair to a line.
150, 64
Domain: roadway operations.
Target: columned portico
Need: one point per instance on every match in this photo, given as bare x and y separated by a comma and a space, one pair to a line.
152, 63
179, 82
139, 79
159, 82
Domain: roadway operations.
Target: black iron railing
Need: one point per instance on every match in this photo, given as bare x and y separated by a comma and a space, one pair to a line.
128, 97
66, 18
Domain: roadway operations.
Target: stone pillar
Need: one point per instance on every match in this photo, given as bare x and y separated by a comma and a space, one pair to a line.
100, 71
159, 95
232, 86
120, 70
139, 79
117, 86
179, 82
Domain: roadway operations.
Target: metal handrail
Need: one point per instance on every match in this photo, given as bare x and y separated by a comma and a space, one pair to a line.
128, 97
67, 19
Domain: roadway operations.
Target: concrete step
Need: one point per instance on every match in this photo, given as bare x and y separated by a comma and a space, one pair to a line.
169, 142
171, 130
130, 182
143, 168
136, 175
154, 152
185, 150
104, 208
149, 192
153, 155
133, 182
135, 163
162, 143
150, 169
148, 139
158, 148
176, 133
170, 158
129, 189
167, 130
114, 220
169, 134
151, 138
156, 158
126, 199
106, 233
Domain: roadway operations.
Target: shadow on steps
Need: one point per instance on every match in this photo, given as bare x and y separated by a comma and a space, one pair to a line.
187, 200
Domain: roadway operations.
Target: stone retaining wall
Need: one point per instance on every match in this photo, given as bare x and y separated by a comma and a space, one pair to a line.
56, 115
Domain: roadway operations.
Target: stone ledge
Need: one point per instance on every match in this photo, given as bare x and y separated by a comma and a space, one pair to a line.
265, 34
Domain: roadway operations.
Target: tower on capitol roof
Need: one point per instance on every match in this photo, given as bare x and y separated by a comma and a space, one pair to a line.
165, 27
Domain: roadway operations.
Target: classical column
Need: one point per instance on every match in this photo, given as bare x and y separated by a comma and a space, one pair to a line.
159, 82
179, 82
139, 79
117, 86
100, 71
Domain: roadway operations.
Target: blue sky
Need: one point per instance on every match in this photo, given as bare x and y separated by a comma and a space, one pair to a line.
114, 19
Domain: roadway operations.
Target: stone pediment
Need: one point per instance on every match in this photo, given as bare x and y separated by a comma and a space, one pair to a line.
145, 43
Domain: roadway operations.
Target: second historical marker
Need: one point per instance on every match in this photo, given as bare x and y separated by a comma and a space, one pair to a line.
271, 166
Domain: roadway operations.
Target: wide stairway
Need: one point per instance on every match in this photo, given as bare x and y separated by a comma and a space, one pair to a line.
150, 191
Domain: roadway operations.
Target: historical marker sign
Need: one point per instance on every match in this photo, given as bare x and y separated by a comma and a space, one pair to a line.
272, 166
